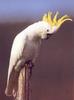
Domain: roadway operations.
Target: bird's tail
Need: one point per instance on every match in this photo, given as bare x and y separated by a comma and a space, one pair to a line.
9, 89
10, 92
11, 84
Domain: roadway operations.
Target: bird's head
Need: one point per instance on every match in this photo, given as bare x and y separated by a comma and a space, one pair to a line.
48, 26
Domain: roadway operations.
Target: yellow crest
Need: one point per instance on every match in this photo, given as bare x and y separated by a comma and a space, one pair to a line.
55, 22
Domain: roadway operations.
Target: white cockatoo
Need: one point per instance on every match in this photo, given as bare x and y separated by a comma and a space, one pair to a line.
26, 46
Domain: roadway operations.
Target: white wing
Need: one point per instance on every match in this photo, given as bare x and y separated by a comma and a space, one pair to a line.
16, 53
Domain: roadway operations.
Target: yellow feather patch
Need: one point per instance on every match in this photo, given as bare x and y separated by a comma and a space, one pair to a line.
55, 21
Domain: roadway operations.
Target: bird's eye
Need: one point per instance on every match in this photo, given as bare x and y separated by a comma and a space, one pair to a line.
47, 30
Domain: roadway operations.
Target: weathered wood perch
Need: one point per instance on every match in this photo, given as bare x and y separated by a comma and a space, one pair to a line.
23, 92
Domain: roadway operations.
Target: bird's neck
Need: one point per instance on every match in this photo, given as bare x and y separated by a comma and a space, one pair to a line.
32, 32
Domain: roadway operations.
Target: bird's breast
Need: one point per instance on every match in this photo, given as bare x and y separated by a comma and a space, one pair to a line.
30, 50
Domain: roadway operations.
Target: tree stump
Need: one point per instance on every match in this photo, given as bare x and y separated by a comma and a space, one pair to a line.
23, 92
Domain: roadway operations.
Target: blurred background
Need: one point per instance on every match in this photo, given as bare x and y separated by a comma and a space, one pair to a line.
53, 75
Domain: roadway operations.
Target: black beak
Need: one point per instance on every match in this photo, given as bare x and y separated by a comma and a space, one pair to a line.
49, 35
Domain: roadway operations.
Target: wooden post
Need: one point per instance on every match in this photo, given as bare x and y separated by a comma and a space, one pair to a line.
23, 84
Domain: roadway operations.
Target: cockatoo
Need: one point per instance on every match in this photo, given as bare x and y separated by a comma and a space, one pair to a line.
26, 46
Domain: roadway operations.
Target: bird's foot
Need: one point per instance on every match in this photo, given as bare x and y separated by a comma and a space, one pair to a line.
30, 65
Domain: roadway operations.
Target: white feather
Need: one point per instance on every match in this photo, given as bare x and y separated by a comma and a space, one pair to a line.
25, 47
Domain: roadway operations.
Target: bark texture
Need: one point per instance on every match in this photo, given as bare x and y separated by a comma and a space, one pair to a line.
23, 92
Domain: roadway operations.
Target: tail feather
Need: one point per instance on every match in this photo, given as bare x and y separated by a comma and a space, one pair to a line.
12, 83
